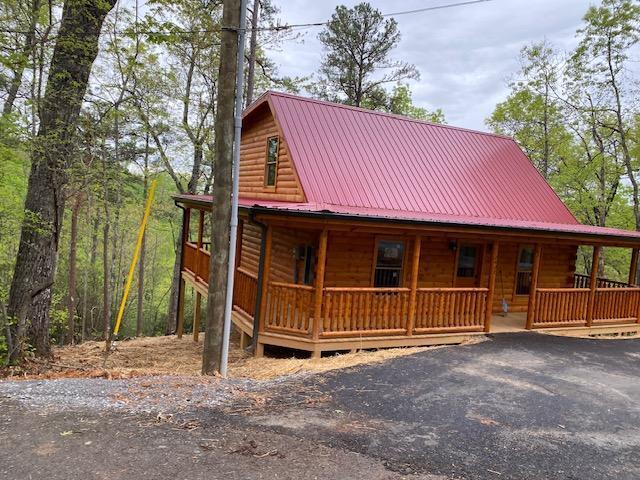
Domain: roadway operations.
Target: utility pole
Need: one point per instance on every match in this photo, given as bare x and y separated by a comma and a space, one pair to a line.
224, 222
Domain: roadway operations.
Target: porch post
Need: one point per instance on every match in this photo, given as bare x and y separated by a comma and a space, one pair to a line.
196, 317
200, 228
534, 286
633, 269
322, 261
186, 217
239, 242
180, 323
263, 289
492, 284
415, 267
593, 283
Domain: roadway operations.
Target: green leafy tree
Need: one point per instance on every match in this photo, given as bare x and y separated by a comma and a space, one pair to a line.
358, 42
599, 69
532, 113
401, 103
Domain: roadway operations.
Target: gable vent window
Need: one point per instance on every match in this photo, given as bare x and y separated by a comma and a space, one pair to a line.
271, 169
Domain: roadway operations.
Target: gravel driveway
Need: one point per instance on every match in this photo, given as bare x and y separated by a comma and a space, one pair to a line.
517, 406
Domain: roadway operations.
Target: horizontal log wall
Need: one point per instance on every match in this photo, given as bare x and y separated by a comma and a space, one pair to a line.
250, 249
283, 257
253, 152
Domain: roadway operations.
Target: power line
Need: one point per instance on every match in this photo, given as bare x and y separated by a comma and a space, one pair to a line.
437, 7
394, 14
273, 28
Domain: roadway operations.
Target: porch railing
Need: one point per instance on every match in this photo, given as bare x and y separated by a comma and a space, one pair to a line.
582, 281
196, 260
289, 308
616, 305
570, 306
556, 306
245, 288
364, 311
189, 261
442, 309
353, 312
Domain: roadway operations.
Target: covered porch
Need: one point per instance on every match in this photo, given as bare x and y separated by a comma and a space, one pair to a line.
307, 286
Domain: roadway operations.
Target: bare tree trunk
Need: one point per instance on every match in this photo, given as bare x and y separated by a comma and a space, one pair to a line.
106, 290
85, 289
140, 307
93, 261
75, 51
221, 218
253, 48
73, 251
106, 264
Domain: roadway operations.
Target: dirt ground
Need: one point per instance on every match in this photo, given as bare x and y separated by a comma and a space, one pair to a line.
168, 355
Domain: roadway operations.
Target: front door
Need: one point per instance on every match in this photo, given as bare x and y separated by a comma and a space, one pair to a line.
468, 266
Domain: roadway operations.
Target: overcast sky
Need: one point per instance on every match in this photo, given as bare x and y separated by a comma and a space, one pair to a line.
465, 55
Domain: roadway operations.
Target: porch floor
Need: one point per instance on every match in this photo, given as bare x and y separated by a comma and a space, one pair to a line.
511, 322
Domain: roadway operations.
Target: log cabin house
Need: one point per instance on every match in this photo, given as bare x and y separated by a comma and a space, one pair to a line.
363, 229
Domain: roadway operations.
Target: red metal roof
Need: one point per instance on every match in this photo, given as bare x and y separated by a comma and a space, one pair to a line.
354, 162
352, 157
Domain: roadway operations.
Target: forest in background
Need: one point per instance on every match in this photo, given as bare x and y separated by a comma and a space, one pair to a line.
149, 110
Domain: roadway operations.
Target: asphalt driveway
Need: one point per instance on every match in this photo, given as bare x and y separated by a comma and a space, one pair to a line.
517, 406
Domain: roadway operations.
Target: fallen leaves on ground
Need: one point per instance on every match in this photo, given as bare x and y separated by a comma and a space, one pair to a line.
168, 355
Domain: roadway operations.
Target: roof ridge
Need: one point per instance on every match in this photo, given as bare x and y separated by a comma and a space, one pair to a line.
377, 112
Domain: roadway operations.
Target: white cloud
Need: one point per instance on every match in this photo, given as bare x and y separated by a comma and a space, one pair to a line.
465, 55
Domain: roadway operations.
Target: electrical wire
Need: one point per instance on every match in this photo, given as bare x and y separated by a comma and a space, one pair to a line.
273, 28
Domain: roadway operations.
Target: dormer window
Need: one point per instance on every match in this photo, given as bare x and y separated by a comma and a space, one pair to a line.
271, 167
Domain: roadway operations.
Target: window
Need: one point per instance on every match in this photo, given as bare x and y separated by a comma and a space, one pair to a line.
523, 273
271, 168
389, 257
467, 261
305, 258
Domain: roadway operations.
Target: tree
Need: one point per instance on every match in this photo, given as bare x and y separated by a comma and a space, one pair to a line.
22, 39
53, 151
600, 65
187, 30
221, 218
401, 103
532, 114
358, 42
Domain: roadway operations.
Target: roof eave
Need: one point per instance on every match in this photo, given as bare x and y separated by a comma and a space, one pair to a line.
588, 238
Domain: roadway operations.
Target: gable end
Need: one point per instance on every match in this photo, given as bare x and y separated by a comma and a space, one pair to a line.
258, 126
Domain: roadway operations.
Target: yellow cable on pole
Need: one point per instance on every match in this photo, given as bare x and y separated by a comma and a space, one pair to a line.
136, 254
